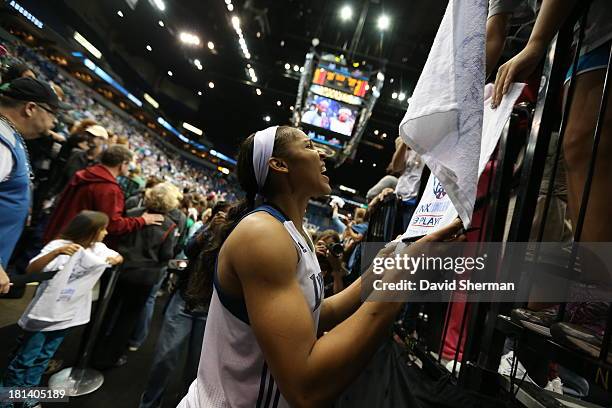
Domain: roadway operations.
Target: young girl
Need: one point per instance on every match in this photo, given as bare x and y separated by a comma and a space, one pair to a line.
79, 257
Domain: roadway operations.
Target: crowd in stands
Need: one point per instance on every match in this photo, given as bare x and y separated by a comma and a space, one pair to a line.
84, 189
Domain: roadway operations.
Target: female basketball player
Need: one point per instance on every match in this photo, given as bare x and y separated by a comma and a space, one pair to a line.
262, 346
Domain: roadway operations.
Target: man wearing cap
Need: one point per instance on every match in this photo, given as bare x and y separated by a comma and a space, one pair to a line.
27, 110
79, 159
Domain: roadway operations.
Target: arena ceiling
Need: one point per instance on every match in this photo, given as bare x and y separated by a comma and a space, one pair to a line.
277, 33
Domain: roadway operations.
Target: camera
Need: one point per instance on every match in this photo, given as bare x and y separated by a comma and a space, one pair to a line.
336, 249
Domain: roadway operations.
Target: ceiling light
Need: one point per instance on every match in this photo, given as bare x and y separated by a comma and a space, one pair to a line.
235, 22
258, 35
282, 43
149, 48
376, 131
199, 93
401, 96
347, 189
188, 38
230, 7
161, 23
384, 135
287, 67
373, 164
258, 91
380, 76
87, 45
211, 45
192, 128
391, 80
360, 160
120, 13
150, 99
346, 13
394, 95
291, 107
278, 103
211, 85
170, 73
296, 68
383, 22
160, 5
267, 118
228, 1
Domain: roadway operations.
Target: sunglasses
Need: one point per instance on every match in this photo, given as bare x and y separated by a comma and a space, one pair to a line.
51, 111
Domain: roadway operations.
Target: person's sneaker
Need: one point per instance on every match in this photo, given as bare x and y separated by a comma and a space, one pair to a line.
505, 368
539, 321
578, 338
555, 385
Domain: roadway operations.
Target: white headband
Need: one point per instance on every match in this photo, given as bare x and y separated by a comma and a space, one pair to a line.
263, 144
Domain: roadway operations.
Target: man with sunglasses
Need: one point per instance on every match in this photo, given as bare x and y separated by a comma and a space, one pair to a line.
27, 111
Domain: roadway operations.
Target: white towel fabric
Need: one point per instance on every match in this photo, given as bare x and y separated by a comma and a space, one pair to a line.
444, 119
435, 210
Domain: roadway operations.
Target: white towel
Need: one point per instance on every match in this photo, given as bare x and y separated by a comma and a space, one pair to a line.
444, 119
435, 210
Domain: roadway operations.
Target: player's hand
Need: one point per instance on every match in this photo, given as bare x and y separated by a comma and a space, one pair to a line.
153, 219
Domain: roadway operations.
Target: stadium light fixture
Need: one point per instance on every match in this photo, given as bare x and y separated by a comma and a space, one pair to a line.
149, 48
346, 13
211, 45
394, 95
151, 101
87, 45
258, 92
267, 118
278, 103
120, 13
383, 22
161, 6
401, 96
170, 73
199, 93
211, 85
193, 129
189, 39
347, 189
161, 23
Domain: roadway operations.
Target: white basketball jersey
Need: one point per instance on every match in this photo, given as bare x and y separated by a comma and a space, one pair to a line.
232, 371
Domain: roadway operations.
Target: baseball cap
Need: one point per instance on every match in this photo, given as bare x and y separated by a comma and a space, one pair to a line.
97, 131
32, 90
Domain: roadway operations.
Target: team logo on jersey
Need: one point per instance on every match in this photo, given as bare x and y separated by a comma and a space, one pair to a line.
438, 190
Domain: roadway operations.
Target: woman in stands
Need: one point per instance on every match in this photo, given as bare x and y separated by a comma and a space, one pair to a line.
262, 345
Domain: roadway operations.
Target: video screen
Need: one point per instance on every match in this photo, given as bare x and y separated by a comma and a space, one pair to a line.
329, 114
